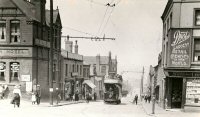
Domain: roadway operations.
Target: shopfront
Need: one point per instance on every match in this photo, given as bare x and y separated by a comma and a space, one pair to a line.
183, 89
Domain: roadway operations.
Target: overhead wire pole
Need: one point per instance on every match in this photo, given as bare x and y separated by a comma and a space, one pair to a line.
141, 87
51, 55
95, 38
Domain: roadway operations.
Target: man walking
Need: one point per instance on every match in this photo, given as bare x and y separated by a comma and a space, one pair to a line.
136, 99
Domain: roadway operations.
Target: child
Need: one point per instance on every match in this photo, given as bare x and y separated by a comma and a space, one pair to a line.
33, 98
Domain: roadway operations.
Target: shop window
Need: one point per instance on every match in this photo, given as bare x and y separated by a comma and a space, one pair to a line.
15, 31
2, 30
197, 17
196, 50
14, 71
2, 71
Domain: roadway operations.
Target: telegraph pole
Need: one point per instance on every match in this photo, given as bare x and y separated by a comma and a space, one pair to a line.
141, 87
51, 55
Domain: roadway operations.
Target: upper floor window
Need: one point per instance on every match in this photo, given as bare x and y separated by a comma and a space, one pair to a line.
14, 71
103, 69
197, 17
15, 31
66, 70
196, 50
2, 30
2, 71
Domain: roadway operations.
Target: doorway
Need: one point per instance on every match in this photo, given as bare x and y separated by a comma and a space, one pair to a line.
176, 95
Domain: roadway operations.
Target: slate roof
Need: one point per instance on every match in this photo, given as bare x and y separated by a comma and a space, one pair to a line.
92, 59
55, 16
26, 8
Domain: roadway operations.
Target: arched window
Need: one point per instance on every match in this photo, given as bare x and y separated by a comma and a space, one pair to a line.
2, 30
15, 31
14, 71
2, 71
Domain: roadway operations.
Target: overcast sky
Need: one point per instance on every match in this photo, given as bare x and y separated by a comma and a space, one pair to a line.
136, 25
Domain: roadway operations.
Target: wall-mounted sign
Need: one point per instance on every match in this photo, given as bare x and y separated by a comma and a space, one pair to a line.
14, 52
184, 74
74, 74
26, 78
179, 48
193, 91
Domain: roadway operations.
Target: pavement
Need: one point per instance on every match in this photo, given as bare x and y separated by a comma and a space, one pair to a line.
26, 103
160, 112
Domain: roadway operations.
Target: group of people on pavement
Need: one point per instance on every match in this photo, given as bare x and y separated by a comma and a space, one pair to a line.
35, 98
147, 98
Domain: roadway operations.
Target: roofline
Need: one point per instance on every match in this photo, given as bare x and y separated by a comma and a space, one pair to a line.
169, 3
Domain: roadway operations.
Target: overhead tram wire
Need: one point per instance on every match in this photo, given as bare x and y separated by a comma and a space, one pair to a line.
79, 31
102, 20
95, 2
107, 21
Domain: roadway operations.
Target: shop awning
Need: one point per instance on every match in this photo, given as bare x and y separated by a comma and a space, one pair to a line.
89, 83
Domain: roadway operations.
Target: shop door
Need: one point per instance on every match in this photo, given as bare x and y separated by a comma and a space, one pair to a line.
177, 92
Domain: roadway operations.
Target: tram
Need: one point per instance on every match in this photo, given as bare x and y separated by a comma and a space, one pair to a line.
112, 90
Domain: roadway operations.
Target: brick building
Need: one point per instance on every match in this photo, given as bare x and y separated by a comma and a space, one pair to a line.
71, 71
181, 53
24, 45
100, 66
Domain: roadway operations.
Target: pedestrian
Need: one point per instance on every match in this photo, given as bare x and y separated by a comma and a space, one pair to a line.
87, 96
38, 98
58, 98
95, 96
145, 98
149, 98
76, 96
17, 96
33, 98
136, 99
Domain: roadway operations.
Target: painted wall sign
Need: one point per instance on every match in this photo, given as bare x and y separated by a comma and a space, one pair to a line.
179, 48
26, 78
184, 74
14, 52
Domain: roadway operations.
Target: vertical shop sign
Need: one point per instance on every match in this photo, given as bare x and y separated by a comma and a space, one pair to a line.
179, 48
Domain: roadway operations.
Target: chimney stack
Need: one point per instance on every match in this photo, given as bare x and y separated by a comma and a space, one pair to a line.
68, 45
76, 47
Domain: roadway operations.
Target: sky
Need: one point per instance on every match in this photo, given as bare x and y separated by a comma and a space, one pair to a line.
136, 25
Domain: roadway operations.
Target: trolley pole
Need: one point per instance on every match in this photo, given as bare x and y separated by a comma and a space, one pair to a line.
51, 55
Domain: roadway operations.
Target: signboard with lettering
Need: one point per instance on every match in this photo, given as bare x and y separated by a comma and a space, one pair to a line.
193, 92
179, 48
26, 78
14, 52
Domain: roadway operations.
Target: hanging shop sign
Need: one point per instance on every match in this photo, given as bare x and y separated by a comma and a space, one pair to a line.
179, 48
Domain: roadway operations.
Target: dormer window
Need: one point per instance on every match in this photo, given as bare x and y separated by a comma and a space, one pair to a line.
15, 31
197, 17
2, 30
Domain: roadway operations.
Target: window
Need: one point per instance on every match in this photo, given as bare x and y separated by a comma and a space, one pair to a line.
73, 68
2, 30
170, 18
66, 70
54, 72
77, 69
14, 71
103, 69
15, 31
2, 71
94, 70
84, 72
197, 17
196, 49
80, 69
